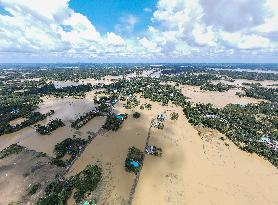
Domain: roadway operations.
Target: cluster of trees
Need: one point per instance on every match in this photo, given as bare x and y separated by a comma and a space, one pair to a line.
76, 74
146, 106
208, 74
84, 119
149, 88
131, 102
51, 126
69, 146
58, 192
191, 78
136, 155
34, 188
259, 92
220, 87
112, 123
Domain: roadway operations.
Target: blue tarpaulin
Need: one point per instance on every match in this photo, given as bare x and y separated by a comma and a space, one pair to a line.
134, 163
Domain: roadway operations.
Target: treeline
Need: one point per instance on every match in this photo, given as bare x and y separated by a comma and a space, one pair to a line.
76, 74
220, 87
259, 92
188, 78
84, 119
33, 117
51, 126
49, 89
224, 74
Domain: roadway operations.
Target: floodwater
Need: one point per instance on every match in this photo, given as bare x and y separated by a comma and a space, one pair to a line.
66, 109
204, 170
218, 99
194, 169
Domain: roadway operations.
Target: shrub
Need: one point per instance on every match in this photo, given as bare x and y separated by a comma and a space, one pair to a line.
136, 115
34, 188
174, 116
58, 162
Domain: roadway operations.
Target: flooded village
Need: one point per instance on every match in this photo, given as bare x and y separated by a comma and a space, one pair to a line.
138, 135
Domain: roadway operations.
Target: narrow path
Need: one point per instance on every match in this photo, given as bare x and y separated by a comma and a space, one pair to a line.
136, 180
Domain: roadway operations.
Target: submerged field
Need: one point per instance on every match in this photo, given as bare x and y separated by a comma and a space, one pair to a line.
198, 165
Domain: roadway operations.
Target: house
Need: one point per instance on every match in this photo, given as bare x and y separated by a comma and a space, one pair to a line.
162, 117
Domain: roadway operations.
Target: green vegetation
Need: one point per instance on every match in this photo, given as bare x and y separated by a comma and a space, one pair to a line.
51, 126
174, 116
112, 123
86, 181
259, 92
136, 115
131, 102
136, 155
12, 149
58, 162
34, 188
84, 119
58, 192
69, 146
220, 87
146, 106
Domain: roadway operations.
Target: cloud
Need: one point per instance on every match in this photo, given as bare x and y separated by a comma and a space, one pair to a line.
127, 23
52, 29
148, 10
178, 30
215, 28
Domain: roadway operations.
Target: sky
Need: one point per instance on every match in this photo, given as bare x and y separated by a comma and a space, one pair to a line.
138, 31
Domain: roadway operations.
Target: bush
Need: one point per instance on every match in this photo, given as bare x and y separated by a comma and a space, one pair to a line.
136, 115
34, 188
174, 116
58, 162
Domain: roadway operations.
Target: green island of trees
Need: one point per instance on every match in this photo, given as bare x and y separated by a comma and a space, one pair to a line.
50, 127
112, 123
84, 119
220, 87
69, 146
134, 155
